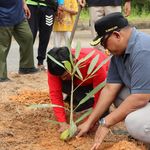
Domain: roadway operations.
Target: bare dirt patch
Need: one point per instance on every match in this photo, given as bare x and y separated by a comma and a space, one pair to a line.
25, 129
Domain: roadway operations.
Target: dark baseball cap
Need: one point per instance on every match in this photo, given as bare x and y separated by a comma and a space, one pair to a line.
60, 54
108, 24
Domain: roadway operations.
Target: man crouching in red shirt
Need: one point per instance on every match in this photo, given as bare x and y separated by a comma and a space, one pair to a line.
59, 81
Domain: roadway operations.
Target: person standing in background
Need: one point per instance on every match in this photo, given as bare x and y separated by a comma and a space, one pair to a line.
64, 22
42, 19
100, 8
13, 22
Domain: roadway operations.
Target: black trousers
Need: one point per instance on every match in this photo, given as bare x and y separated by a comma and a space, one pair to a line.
78, 95
42, 19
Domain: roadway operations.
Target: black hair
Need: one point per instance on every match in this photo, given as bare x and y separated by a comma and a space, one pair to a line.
60, 54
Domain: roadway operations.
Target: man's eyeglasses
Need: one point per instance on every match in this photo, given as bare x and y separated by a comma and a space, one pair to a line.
104, 40
106, 37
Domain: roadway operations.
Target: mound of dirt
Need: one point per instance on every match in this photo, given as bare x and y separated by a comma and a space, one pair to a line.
125, 145
31, 96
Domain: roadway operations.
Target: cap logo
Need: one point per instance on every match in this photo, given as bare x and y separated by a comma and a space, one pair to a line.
95, 42
111, 29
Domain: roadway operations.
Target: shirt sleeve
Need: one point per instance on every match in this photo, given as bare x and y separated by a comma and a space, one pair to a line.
60, 2
113, 74
140, 73
56, 97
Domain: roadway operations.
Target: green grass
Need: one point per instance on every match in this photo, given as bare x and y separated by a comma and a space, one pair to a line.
139, 18
139, 15
135, 15
84, 16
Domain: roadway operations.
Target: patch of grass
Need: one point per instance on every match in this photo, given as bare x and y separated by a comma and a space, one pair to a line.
139, 18
136, 15
84, 16
139, 14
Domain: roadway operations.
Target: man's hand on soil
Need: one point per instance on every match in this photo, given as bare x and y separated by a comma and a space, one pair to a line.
99, 137
82, 129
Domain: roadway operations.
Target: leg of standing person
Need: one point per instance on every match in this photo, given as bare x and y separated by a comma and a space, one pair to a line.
99, 12
57, 37
23, 36
46, 16
67, 35
95, 14
5, 41
33, 20
111, 9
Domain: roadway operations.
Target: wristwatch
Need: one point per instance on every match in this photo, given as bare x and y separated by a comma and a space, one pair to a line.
102, 122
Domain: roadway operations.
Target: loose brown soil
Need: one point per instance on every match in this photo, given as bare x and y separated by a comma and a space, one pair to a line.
22, 128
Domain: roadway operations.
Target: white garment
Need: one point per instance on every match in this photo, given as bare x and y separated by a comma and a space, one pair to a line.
137, 122
99, 12
61, 38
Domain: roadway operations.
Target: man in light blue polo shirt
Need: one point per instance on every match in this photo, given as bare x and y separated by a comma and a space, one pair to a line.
128, 81
13, 22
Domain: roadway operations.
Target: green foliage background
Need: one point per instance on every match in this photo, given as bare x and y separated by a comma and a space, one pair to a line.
140, 10
141, 6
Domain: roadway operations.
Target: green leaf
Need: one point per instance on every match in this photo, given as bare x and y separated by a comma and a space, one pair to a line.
101, 64
92, 64
77, 50
89, 95
79, 73
71, 58
70, 132
72, 129
67, 65
85, 58
87, 113
34, 106
53, 121
65, 135
57, 62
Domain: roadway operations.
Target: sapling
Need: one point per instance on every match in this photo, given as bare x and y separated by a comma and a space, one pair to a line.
73, 68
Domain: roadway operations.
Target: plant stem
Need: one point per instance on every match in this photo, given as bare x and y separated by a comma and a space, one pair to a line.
71, 101
86, 78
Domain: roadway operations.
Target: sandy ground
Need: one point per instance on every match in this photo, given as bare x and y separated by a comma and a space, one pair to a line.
27, 129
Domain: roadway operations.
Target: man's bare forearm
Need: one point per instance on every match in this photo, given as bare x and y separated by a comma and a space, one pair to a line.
130, 104
106, 98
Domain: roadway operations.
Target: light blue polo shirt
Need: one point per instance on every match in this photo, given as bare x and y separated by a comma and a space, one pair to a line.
133, 68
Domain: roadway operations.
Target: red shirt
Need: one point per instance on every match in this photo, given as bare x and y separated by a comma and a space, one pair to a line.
55, 84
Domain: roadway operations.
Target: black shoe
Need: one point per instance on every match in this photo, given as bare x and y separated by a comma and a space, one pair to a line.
41, 68
4, 79
28, 70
